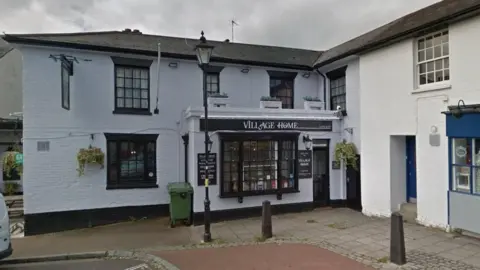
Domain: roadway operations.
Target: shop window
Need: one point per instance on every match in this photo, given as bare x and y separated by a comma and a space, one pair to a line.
257, 166
465, 165
131, 161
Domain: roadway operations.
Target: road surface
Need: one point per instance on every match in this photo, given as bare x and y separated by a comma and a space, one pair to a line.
81, 265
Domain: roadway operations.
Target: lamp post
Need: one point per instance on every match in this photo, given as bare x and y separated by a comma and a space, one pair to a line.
204, 51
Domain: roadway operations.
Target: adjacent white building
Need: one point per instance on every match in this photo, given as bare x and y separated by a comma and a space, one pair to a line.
414, 72
102, 90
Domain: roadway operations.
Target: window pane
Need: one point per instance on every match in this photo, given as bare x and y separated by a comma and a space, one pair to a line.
422, 68
136, 93
421, 44
461, 152
428, 42
120, 92
430, 77
128, 93
439, 76
120, 82
446, 63
476, 180
144, 93
430, 66
429, 54
144, 84
437, 39
461, 178
438, 64
446, 49
144, 74
421, 56
120, 103
437, 51
128, 82
120, 72
128, 103
446, 75
128, 73
136, 103
144, 104
136, 83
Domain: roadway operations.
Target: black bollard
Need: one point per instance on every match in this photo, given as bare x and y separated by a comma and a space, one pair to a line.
266, 220
397, 240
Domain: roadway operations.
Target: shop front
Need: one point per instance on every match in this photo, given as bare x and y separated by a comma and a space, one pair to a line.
262, 157
463, 134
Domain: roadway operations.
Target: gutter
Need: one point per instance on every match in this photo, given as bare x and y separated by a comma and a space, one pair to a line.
324, 88
50, 43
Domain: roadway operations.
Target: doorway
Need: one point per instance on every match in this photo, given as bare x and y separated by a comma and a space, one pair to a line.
411, 169
321, 176
354, 187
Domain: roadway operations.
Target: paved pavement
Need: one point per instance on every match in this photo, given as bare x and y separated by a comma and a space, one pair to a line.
341, 231
82, 265
123, 236
268, 256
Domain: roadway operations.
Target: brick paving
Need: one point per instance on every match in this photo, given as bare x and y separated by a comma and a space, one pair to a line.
265, 257
342, 231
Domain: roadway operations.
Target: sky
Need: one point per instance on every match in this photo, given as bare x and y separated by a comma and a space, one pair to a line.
309, 24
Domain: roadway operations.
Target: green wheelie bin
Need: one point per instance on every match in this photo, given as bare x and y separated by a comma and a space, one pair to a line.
180, 202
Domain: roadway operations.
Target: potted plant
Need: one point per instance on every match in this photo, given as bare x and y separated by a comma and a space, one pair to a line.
10, 162
313, 103
218, 100
10, 188
346, 152
90, 155
267, 102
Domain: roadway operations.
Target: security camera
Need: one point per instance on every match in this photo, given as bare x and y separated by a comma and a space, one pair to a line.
339, 108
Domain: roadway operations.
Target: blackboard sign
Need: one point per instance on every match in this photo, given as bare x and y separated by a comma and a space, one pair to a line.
336, 165
304, 164
212, 169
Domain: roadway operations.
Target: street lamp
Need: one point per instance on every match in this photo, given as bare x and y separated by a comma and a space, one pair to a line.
204, 51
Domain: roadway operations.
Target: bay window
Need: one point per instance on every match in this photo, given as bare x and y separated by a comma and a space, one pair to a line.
258, 165
465, 164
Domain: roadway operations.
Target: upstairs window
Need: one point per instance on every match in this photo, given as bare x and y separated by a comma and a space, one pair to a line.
133, 88
213, 83
338, 89
433, 62
66, 72
281, 87
132, 85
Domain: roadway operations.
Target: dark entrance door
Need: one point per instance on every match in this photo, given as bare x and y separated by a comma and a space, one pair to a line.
354, 191
411, 170
321, 179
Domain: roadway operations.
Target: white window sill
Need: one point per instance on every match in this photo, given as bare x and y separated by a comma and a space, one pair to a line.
432, 87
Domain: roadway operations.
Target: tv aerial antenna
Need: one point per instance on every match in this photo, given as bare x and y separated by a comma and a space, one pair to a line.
233, 23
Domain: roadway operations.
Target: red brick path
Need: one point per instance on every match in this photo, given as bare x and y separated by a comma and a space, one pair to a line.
260, 257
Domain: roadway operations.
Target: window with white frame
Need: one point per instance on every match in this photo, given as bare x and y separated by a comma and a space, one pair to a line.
433, 63
465, 164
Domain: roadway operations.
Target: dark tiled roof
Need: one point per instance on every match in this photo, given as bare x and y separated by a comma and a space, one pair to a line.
405, 27
175, 46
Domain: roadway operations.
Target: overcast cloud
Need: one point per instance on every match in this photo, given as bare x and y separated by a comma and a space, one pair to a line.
313, 24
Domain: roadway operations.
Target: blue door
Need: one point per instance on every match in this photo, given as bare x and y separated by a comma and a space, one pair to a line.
411, 169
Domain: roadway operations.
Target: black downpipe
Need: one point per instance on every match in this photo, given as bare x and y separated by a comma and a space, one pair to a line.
324, 87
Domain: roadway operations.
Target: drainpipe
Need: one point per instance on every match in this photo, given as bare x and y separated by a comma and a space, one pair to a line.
324, 88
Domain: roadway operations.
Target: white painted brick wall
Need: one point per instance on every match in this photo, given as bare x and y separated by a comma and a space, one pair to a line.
50, 178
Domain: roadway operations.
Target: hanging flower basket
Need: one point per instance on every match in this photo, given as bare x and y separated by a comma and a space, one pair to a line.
90, 155
10, 163
346, 152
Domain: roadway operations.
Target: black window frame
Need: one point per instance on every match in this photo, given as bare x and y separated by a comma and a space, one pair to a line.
115, 140
336, 75
240, 138
65, 73
135, 64
209, 83
285, 78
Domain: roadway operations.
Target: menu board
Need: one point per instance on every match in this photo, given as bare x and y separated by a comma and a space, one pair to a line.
212, 169
304, 164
